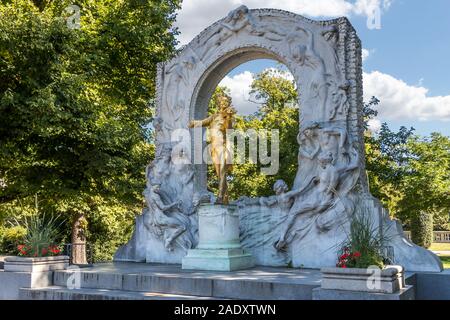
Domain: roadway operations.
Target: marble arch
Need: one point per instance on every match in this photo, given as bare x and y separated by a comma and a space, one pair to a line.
325, 60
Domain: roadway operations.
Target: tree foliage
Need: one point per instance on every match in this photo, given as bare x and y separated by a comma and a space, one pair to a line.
73, 105
411, 175
277, 110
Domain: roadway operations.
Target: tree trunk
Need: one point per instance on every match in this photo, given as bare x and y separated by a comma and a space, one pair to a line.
78, 253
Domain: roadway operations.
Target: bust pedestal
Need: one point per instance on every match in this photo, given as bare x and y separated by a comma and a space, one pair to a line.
219, 248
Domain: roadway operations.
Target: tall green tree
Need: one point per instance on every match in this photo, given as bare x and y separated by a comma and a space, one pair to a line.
426, 187
411, 176
74, 103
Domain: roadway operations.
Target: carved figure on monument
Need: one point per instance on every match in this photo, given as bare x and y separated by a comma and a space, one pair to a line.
262, 218
332, 138
218, 124
159, 220
322, 192
331, 35
283, 198
307, 56
236, 20
309, 147
177, 78
162, 129
339, 100
167, 222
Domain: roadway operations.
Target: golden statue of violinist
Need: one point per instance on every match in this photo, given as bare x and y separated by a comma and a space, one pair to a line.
218, 124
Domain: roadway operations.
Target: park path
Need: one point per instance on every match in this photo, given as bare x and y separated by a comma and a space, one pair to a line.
442, 253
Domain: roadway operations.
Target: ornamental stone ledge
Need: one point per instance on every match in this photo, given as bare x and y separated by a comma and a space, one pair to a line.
35, 264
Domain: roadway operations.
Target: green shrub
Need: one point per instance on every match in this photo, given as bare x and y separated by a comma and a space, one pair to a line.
10, 238
422, 229
42, 234
362, 247
441, 221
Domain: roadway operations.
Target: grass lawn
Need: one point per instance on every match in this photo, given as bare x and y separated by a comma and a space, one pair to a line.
446, 261
440, 247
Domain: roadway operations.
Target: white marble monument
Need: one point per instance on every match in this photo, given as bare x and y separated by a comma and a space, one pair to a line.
302, 227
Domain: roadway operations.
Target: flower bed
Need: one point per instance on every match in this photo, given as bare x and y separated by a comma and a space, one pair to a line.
35, 264
388, 280
38, 250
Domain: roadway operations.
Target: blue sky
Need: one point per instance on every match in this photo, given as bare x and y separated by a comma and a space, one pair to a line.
407, 62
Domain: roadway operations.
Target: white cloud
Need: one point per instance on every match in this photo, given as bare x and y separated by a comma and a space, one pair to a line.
196, 15
239, 86
400, 101
374, 125
365, 54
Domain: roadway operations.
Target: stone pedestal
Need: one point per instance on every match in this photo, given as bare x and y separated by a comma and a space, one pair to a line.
388, 280
38, 264
219, 248
363, 284
28, 272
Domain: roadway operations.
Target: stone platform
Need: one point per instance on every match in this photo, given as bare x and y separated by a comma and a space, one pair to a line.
407, 293
157, 281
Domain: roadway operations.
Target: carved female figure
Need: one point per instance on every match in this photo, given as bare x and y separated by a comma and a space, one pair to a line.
236, 20
157, 217
324, 190
308, 145
307, 56
177, 78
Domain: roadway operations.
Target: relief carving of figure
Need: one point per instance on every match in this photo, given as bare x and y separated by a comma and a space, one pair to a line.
283, 198
160, 219
322, 192
236, 20
339, 100
317, 138
164, 217
261, 220
307, 142
308, 57
177, 78
333, 139
331, 35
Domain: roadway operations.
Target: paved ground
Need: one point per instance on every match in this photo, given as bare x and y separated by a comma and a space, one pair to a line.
442, 253
265, 274
280, 275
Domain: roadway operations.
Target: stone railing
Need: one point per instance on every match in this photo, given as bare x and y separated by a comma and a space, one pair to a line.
407, 235
438, 236
442, 236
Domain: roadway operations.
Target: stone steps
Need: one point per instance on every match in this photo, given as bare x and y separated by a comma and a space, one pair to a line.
63, 293
211, 285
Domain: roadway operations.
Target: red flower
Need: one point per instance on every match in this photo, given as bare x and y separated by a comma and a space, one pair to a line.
44, 251
356, 254
344, 256
344, 266
54, 250
22, 249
